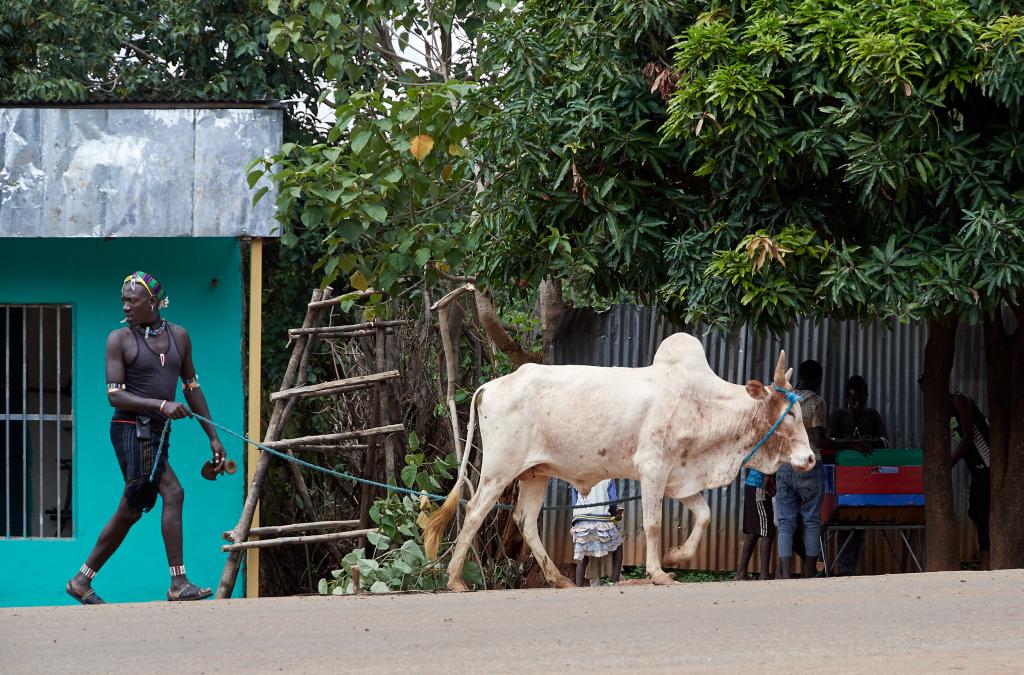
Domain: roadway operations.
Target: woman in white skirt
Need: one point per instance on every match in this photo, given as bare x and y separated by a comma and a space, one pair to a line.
594, 533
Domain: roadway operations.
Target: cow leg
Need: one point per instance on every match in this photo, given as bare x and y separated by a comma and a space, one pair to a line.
477, 509
531, 498
652, 489
701, 517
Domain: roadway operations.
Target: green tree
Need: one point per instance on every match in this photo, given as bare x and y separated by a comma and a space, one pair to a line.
112, 50
575, 179
866, 161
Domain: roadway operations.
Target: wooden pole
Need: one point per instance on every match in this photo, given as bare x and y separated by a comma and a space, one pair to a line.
353, 295
252, 453
347, 328
277, 530
305, 539
384, 408
325, 388
331, 438
370, 458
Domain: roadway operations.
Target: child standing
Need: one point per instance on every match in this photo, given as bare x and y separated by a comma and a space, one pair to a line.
758, 521
594, 533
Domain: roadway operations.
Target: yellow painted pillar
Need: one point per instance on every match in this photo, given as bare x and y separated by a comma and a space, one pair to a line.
252, 556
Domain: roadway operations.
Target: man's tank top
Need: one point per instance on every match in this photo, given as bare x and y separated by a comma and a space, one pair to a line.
978, 455
146, 377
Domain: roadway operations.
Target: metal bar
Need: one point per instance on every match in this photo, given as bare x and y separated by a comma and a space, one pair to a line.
910, 549
33, 417
7, 420
24, 422
60, 500
40, 450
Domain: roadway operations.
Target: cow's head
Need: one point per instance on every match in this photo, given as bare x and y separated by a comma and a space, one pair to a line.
789, 443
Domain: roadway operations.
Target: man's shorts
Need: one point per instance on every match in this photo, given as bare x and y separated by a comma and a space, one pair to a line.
758, 514
978, 504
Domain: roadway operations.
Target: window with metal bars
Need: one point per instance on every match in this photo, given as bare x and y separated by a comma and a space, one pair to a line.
35, 421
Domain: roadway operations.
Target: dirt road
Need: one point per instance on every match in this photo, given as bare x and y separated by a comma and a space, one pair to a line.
924, 622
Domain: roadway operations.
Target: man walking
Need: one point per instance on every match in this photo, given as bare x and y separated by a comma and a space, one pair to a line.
143, 364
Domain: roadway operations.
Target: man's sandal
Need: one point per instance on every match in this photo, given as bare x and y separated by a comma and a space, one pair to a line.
188, 592
87, 598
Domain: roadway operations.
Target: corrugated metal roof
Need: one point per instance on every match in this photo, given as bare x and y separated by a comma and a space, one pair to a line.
888, 355
155, 104
97, 171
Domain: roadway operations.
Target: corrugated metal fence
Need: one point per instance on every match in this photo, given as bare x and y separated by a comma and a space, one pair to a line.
888, 356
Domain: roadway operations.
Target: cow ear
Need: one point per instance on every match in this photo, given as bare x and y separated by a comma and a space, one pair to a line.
789, 378
757, 391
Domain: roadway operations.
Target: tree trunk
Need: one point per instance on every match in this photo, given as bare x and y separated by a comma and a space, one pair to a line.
940, 524
1005, 360
551, 308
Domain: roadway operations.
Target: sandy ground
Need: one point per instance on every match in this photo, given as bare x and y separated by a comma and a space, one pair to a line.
971, 621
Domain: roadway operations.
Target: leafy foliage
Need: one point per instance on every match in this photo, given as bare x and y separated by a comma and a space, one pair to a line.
110, 50
389, 187
888, 135
577, 182
398, 561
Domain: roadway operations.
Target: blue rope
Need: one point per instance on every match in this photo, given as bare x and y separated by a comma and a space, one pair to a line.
383, 486
160, 449
793, 398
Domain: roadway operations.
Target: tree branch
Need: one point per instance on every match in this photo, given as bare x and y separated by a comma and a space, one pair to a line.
497, 334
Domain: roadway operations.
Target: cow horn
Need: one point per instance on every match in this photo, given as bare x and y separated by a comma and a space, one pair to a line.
780, 369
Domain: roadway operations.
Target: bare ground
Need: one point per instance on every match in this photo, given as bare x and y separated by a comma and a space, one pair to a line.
951, 621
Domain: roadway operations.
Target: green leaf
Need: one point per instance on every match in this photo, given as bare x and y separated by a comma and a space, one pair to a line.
359, 140
367, 566
379, 587
377, 539
375, 211
409, 475
422, 256
321, 588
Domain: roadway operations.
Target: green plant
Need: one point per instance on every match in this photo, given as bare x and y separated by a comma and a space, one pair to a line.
396, 560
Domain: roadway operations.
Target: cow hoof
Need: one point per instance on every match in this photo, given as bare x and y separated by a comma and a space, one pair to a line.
663, 579
457, 586
564, 582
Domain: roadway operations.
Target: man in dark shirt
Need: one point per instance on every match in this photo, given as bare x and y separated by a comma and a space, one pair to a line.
855, 420
859, 427
144, 362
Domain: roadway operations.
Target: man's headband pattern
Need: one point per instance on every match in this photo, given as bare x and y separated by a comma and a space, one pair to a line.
150, 283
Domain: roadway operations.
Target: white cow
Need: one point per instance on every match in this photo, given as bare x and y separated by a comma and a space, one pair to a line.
675, 426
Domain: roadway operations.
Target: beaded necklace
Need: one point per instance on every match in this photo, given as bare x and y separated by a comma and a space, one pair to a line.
152, 332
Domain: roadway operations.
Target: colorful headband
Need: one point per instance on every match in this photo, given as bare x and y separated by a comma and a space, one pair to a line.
150, 283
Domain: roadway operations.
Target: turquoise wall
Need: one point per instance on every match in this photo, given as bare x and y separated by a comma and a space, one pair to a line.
87, 274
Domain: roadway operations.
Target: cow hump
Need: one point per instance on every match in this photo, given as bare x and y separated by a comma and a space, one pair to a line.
681, 350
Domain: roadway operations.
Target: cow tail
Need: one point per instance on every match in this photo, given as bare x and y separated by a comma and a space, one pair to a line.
438, 521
